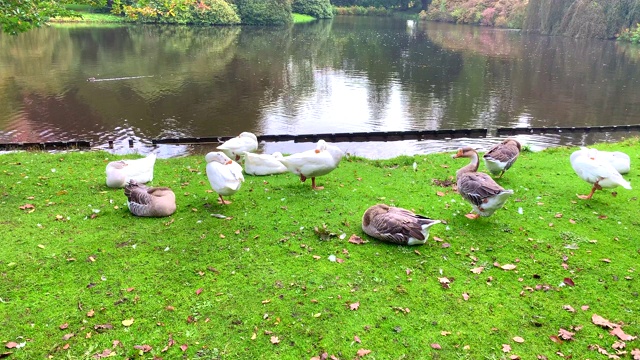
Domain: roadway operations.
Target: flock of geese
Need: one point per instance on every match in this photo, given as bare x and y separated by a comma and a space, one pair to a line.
391, 224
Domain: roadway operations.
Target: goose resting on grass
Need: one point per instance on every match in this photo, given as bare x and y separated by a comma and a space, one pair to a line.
501, 156
149, 201
263, 164
479, 189
140, 170
396, 225
595, 170
225, 175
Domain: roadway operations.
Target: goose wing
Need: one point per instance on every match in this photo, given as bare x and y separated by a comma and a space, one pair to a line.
476, 187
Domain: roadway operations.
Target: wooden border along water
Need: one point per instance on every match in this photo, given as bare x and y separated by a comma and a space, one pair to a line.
345, 137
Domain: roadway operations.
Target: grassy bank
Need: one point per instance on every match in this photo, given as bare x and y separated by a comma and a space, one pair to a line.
90, 15
80, 276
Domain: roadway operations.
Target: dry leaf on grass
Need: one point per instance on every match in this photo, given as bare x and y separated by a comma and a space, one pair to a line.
568, 308
617, 331
506, 348
363, 352
355, 239
508, 267
565, 334
144, 348
518, 339
599, 320
274, 340
477, 270
436, 346
354, 306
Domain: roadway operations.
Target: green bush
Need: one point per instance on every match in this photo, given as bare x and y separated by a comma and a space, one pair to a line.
264, 12
200, 12
360, 10
630, 35
214, 12
320, 9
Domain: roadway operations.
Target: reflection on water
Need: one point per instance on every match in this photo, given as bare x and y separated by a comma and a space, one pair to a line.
348, 74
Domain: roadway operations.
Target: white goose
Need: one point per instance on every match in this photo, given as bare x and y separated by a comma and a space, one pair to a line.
234, 147
597, 171
396, 225
140, 170
263, 164
149, 201
225, 175
313, 163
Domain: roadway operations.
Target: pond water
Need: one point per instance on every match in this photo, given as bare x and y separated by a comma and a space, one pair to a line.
349, 74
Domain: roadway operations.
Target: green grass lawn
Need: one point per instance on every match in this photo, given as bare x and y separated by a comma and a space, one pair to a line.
89, 15
302, 18
81, 278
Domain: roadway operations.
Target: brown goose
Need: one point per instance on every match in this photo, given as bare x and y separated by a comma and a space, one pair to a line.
148, 201
479, 189
396, 225
501, 156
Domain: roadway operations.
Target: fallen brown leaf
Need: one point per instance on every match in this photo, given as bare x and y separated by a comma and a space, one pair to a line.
363, 352
183, 347
356, 339
617, 331
599, 320
436, 346
569, 281
274, 340
355, 239
199, 291
565, 334
477, 270
144, 348
354, 306
568, 308
506, 348
508, 267
518, 339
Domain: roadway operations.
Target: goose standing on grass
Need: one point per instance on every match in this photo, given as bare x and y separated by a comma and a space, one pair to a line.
140, 170
595, 170
149, 201
396, 225
479, 189
501, 156
236, 146
263, 164
313, 163
225, 175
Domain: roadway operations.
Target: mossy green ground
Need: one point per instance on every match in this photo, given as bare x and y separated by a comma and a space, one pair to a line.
90, 15
229, 288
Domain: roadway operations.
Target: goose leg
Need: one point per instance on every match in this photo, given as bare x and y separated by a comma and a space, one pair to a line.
313, 184
593, 190
223, 201
302, 178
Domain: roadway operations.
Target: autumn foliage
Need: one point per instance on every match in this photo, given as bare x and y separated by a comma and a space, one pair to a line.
501, 13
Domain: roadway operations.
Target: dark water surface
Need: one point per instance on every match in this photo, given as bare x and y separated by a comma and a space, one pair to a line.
349, 74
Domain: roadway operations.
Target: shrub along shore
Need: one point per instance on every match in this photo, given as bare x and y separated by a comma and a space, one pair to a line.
80, 277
